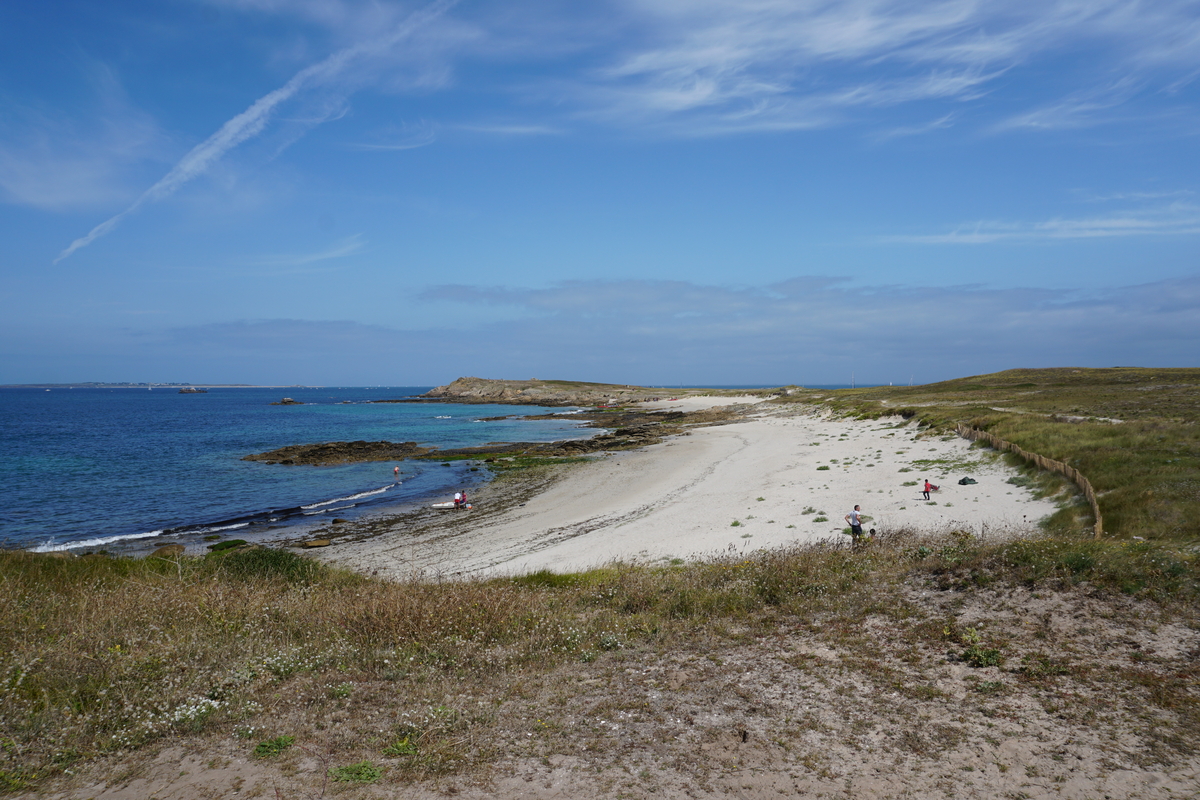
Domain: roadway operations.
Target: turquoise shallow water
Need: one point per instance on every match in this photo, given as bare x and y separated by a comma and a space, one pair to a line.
101, 467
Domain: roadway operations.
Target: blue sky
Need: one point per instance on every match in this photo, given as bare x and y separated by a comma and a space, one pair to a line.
641, 191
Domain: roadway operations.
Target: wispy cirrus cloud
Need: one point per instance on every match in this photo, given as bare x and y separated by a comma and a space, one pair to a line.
731, 66
254, 119
51, 161
346, 247
513, 129
406, 137
1081, 109
945, 121
1173, 219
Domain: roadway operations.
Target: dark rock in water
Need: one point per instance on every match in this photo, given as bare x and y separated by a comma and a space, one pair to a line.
316, 543
168, 551
287, 401
339, 453
339, 521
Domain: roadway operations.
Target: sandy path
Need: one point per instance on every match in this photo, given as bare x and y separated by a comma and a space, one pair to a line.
679, 499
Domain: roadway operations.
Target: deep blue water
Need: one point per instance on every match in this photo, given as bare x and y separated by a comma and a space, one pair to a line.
100, 467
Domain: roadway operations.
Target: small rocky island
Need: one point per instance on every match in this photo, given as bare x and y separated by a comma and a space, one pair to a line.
536, 392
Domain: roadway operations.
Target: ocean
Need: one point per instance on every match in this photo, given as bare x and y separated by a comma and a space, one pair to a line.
120, 469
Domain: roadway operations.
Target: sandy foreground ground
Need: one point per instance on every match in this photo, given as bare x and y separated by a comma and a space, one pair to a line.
778, 477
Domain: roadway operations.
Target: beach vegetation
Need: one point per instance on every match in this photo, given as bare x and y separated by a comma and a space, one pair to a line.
99, 657
977, 655
362, 772
269, 748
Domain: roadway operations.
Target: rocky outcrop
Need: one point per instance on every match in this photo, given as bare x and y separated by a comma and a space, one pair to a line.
339, 453
547, 393
168, 551
620, 439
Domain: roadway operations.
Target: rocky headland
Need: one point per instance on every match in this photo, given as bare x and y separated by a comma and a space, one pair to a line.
551, 393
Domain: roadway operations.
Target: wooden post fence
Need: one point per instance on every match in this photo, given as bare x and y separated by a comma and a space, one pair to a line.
1072, 474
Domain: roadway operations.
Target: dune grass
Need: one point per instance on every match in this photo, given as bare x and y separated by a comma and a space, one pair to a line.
102, 656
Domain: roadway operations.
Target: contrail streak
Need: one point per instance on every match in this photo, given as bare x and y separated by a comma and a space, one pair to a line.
252, 121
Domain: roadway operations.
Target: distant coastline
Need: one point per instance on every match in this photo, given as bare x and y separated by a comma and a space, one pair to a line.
98, 385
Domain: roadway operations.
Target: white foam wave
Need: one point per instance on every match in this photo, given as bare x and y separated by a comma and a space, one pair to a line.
221, 528
327, 510
58, 547
344, 499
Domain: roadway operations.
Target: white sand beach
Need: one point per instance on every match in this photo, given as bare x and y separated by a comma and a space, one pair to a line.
782, 475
